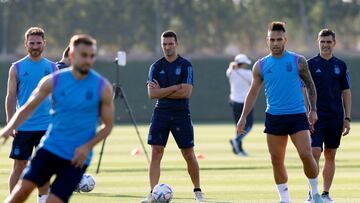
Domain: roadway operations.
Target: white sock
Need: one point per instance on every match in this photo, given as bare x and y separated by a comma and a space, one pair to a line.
42, 198
283, 191
313, 183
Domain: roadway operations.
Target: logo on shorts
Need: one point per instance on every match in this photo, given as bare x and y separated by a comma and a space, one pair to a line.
178, 70
89, 95
16, 151
288, 67
337, 70
318, 70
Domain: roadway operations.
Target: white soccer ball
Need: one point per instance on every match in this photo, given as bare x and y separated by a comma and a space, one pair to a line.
87, 183
162, 193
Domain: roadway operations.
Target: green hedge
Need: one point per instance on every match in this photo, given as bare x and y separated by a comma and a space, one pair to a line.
209, 102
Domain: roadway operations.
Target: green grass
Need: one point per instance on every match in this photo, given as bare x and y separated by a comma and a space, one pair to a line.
224, 176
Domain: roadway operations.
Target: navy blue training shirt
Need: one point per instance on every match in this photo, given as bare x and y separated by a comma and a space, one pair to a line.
168, 74
331, 77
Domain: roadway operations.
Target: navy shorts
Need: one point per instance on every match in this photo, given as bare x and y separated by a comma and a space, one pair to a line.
328, 132
178, 123
46, 164
285, 124
24, 143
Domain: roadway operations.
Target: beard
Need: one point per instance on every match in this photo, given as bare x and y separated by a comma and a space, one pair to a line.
83, 70
35, 52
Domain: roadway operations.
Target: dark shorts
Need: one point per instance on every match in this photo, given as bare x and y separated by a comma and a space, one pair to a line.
328, 132
285, 124
178, 123
46, 164
237, 109
24, 143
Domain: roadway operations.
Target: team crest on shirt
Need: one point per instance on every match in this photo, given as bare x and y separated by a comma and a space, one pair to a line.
89, 94
178, 70
337, 70
288, 67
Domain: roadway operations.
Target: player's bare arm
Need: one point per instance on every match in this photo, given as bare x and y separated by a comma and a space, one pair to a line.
183, 93
11, 93
38, 95
157, 92
310, 89
308, 81
346, 95
251, 97
107, 118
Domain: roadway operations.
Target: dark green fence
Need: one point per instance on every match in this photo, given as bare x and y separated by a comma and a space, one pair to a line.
209, 102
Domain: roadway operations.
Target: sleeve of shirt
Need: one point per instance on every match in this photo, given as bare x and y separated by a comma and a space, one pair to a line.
152, 74
187, 77
345, 80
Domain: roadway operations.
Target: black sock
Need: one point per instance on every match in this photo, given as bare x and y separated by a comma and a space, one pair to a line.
325, 193
197, 190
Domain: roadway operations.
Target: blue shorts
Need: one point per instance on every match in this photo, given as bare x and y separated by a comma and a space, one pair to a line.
328, 132
178, 123
24, 143
285, 124
46, 164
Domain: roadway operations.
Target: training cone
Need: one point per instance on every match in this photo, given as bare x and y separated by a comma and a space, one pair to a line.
136, 152
200, 156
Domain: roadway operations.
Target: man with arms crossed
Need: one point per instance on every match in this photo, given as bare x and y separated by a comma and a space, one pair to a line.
80, 96
170, 81
332, 81
24, 76
281, 71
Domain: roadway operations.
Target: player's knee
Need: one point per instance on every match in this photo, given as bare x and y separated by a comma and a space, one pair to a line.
157, 151
306, 155
277, 161
19, 166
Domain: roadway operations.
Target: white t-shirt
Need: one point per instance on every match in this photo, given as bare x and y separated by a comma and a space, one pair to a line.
240, 81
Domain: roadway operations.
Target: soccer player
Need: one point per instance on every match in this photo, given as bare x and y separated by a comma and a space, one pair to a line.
65, 61
170, 81
331, 78
281, 71
240, 80
80, 96
24, 75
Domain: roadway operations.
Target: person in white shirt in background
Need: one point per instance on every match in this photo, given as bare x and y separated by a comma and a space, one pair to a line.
240, 78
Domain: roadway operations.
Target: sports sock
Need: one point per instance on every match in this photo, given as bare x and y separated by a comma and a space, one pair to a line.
313, 183
283, 191
42, 198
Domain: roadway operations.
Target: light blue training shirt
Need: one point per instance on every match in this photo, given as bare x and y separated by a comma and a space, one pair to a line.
282, 84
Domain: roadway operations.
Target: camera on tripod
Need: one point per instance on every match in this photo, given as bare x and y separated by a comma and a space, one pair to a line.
121, 58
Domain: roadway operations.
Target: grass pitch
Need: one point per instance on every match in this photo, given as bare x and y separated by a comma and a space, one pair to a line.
224, 176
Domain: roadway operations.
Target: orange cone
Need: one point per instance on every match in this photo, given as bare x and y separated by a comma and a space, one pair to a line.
136, 152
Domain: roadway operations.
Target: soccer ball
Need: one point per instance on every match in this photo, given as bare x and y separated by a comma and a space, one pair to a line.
162, 193
86, 184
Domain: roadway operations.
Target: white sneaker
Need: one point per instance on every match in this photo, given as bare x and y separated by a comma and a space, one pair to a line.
148, 199
309, 200
199, 196
327, 199
317, 199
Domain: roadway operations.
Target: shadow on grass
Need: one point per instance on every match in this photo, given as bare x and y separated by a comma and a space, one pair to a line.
137, 197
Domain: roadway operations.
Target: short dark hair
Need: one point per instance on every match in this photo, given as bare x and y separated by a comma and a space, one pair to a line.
66, 52
81, 39
326, 32
277, 26
169, 33
34, 31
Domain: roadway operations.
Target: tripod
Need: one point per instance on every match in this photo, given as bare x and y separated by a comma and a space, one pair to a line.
120, 93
